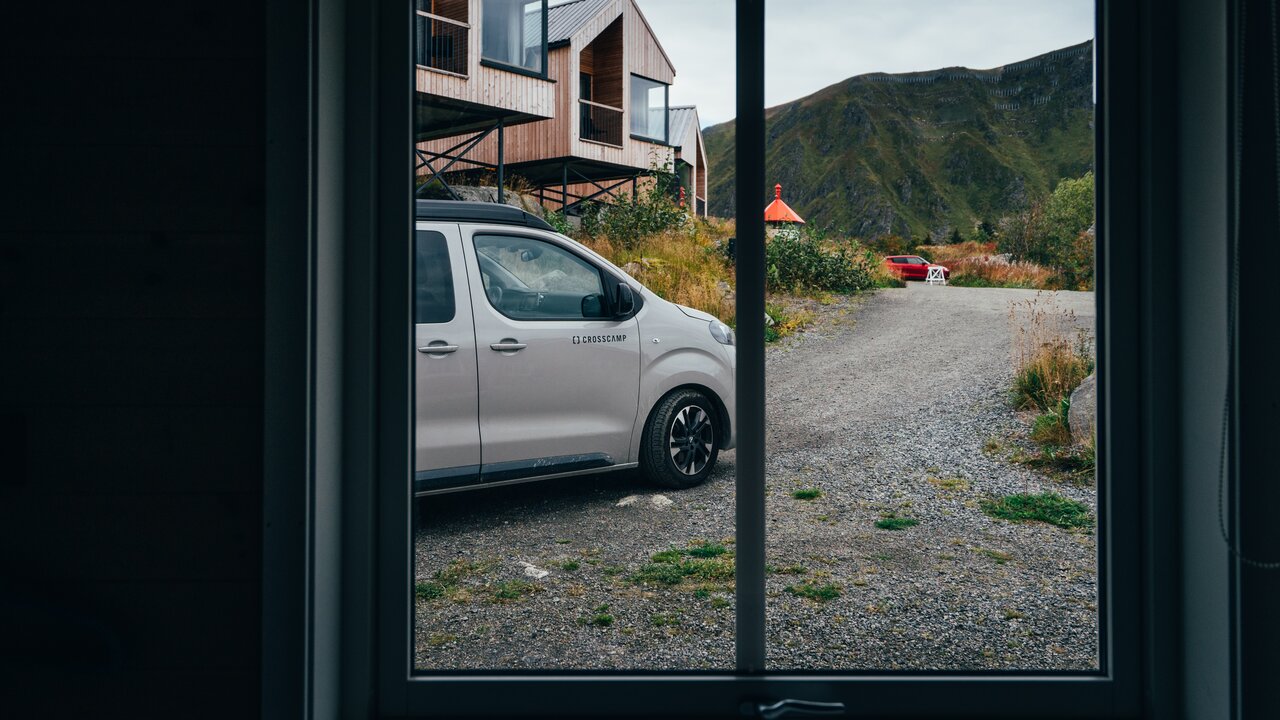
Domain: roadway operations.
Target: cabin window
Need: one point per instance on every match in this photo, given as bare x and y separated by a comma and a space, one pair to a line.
648, 109
514, 34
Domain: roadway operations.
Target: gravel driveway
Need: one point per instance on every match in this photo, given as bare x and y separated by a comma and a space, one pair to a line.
892, 404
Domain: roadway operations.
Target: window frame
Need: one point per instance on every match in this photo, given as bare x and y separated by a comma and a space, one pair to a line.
1125, 450
666, 115
508, 67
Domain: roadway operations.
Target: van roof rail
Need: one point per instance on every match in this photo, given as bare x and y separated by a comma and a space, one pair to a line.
481, 212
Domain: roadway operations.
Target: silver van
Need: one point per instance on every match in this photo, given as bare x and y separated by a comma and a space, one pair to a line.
537, 358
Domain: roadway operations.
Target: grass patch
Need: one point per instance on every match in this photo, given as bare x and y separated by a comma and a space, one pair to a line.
428, 590
991, 446
570, 565
512, 591
1051, 428
954, 484
438, 639
719, 603
785, 321
707, 550
894, 522
706, 562
807, 494
816, 593
664, 619
1011, 614
1051, 508
1000, 557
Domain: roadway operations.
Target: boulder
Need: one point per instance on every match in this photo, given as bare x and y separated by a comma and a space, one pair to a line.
1084, 410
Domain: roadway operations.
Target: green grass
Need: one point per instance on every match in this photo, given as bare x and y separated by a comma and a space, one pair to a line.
707, 550
512, 590
706, 562
428, 590
570, 565
807, 494
896, 523
1051, 429
1051, 508
664, 619
954, 484
816, 593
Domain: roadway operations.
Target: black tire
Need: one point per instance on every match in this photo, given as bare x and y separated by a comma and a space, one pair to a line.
670, 423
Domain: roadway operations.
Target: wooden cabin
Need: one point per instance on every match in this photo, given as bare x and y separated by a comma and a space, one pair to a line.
481, 67
610, 117
691, 157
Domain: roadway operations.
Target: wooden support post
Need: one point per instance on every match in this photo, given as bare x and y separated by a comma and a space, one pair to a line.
564, 188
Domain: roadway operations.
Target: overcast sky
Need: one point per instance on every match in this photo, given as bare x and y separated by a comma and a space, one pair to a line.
810, 44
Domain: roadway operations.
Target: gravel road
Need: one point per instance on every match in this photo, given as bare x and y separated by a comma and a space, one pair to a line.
892, 404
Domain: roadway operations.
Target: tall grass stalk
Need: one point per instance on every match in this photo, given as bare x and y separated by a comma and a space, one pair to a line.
1051, 354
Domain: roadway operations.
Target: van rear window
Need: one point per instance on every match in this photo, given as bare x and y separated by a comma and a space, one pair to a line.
432, 279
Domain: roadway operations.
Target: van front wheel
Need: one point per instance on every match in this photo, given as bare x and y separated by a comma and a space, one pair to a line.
680, 442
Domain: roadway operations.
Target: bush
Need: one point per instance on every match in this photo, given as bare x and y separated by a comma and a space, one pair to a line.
1052, 428
559, 222
1054, 233
798, 260
628, 221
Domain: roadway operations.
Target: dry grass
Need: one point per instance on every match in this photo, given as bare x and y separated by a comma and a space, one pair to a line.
976, 272
975, 264
946, 254
683, 266
1051, 354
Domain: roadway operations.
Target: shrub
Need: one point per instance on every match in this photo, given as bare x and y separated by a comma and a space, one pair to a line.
800, 260
896, 523
559, 222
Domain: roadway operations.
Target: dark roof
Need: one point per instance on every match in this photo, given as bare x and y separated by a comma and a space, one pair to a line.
565, 19
479, 212
682, 117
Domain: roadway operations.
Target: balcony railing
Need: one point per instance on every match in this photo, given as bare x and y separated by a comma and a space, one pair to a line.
440, 43
600, 123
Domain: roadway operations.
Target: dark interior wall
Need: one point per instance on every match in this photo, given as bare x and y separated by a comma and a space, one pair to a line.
131, 329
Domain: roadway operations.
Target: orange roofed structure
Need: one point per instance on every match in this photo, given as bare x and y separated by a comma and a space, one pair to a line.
780, 212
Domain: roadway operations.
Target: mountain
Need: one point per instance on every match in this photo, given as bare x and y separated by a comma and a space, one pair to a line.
923, 152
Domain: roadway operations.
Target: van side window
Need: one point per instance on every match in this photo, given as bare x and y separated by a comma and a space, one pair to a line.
432, 279
530, 279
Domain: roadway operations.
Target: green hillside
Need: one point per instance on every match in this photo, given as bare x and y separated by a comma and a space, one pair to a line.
922, 153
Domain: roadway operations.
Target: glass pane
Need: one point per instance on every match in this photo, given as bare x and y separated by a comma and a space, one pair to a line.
573, 479
648, 108
512, 33
931, 491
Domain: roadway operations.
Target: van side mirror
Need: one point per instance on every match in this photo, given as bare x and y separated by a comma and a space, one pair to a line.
593, 306
624, 300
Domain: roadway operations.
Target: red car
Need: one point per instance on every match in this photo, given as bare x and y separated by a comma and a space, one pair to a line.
912, 267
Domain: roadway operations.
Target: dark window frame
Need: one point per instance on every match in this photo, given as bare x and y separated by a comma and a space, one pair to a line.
1115, 692
508, 67
666, 116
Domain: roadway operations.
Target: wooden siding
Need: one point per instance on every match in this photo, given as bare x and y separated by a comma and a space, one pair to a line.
485, 85
559, 136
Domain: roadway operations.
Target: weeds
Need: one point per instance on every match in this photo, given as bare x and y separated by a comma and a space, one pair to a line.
816, 593
999, 557
807, 494
512, 590
1044, 507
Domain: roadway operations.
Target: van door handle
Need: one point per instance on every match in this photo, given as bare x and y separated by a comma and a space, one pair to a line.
440, 349
508, 345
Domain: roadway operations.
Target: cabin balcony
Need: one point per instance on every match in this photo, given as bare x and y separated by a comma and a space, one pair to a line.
480, 62
600, 123
440, 42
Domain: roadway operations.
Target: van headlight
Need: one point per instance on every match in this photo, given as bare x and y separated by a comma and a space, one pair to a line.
722, 333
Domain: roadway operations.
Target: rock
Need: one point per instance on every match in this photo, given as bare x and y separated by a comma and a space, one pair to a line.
768, 321
632, 268
661, 501
628, 500
534, 572
1084, 407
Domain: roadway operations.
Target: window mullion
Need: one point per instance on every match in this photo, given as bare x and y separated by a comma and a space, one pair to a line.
750, 611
